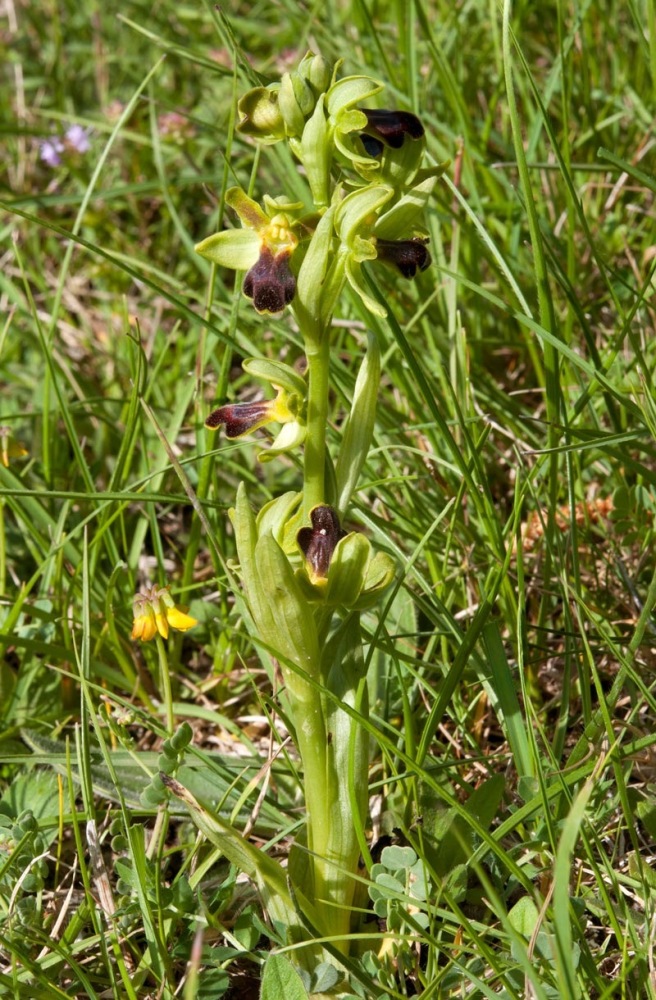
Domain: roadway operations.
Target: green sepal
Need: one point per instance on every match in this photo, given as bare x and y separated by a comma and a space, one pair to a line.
273, 517
314, 593
350, 90
354, 277
380, 574
276, 373
235, 248
359, 208
400, 220
346, 574
359, 430
260, 114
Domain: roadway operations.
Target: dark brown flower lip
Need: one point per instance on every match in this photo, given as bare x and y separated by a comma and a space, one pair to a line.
270, 282
392, 127
407, 256
239, 418
319, 542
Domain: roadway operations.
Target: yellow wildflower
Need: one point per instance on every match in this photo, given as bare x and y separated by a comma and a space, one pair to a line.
155, 611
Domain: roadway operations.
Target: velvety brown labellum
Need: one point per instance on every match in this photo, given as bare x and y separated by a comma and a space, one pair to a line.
239, 418
318, 542
407, 256
393, 126
270, 282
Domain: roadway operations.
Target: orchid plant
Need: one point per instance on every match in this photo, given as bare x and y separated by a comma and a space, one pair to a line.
305, 577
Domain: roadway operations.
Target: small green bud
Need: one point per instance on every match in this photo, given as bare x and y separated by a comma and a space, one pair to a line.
168, 750
317, 72
157, 784
182, 737
167, 764
289, 105
151, 797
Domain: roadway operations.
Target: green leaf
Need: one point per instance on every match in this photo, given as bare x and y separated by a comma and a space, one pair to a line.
269, 876
396, 857
524, 916
235, 248
280, 979
359, 430
293, 636
313, 269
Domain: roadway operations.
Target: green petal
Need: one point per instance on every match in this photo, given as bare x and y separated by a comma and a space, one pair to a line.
250, 214
354, 276
357, 207
289, 437
363, 249
235, 248
350, 120
351, 90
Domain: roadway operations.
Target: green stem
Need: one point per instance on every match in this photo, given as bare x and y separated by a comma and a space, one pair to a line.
314, 471
165, 685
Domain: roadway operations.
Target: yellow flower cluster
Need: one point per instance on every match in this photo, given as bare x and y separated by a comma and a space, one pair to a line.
155, 611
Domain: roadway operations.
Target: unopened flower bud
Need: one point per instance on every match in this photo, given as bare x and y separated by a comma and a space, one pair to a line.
317, 72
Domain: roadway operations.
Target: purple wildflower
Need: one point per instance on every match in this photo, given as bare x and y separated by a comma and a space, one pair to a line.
51, 151
77, 138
